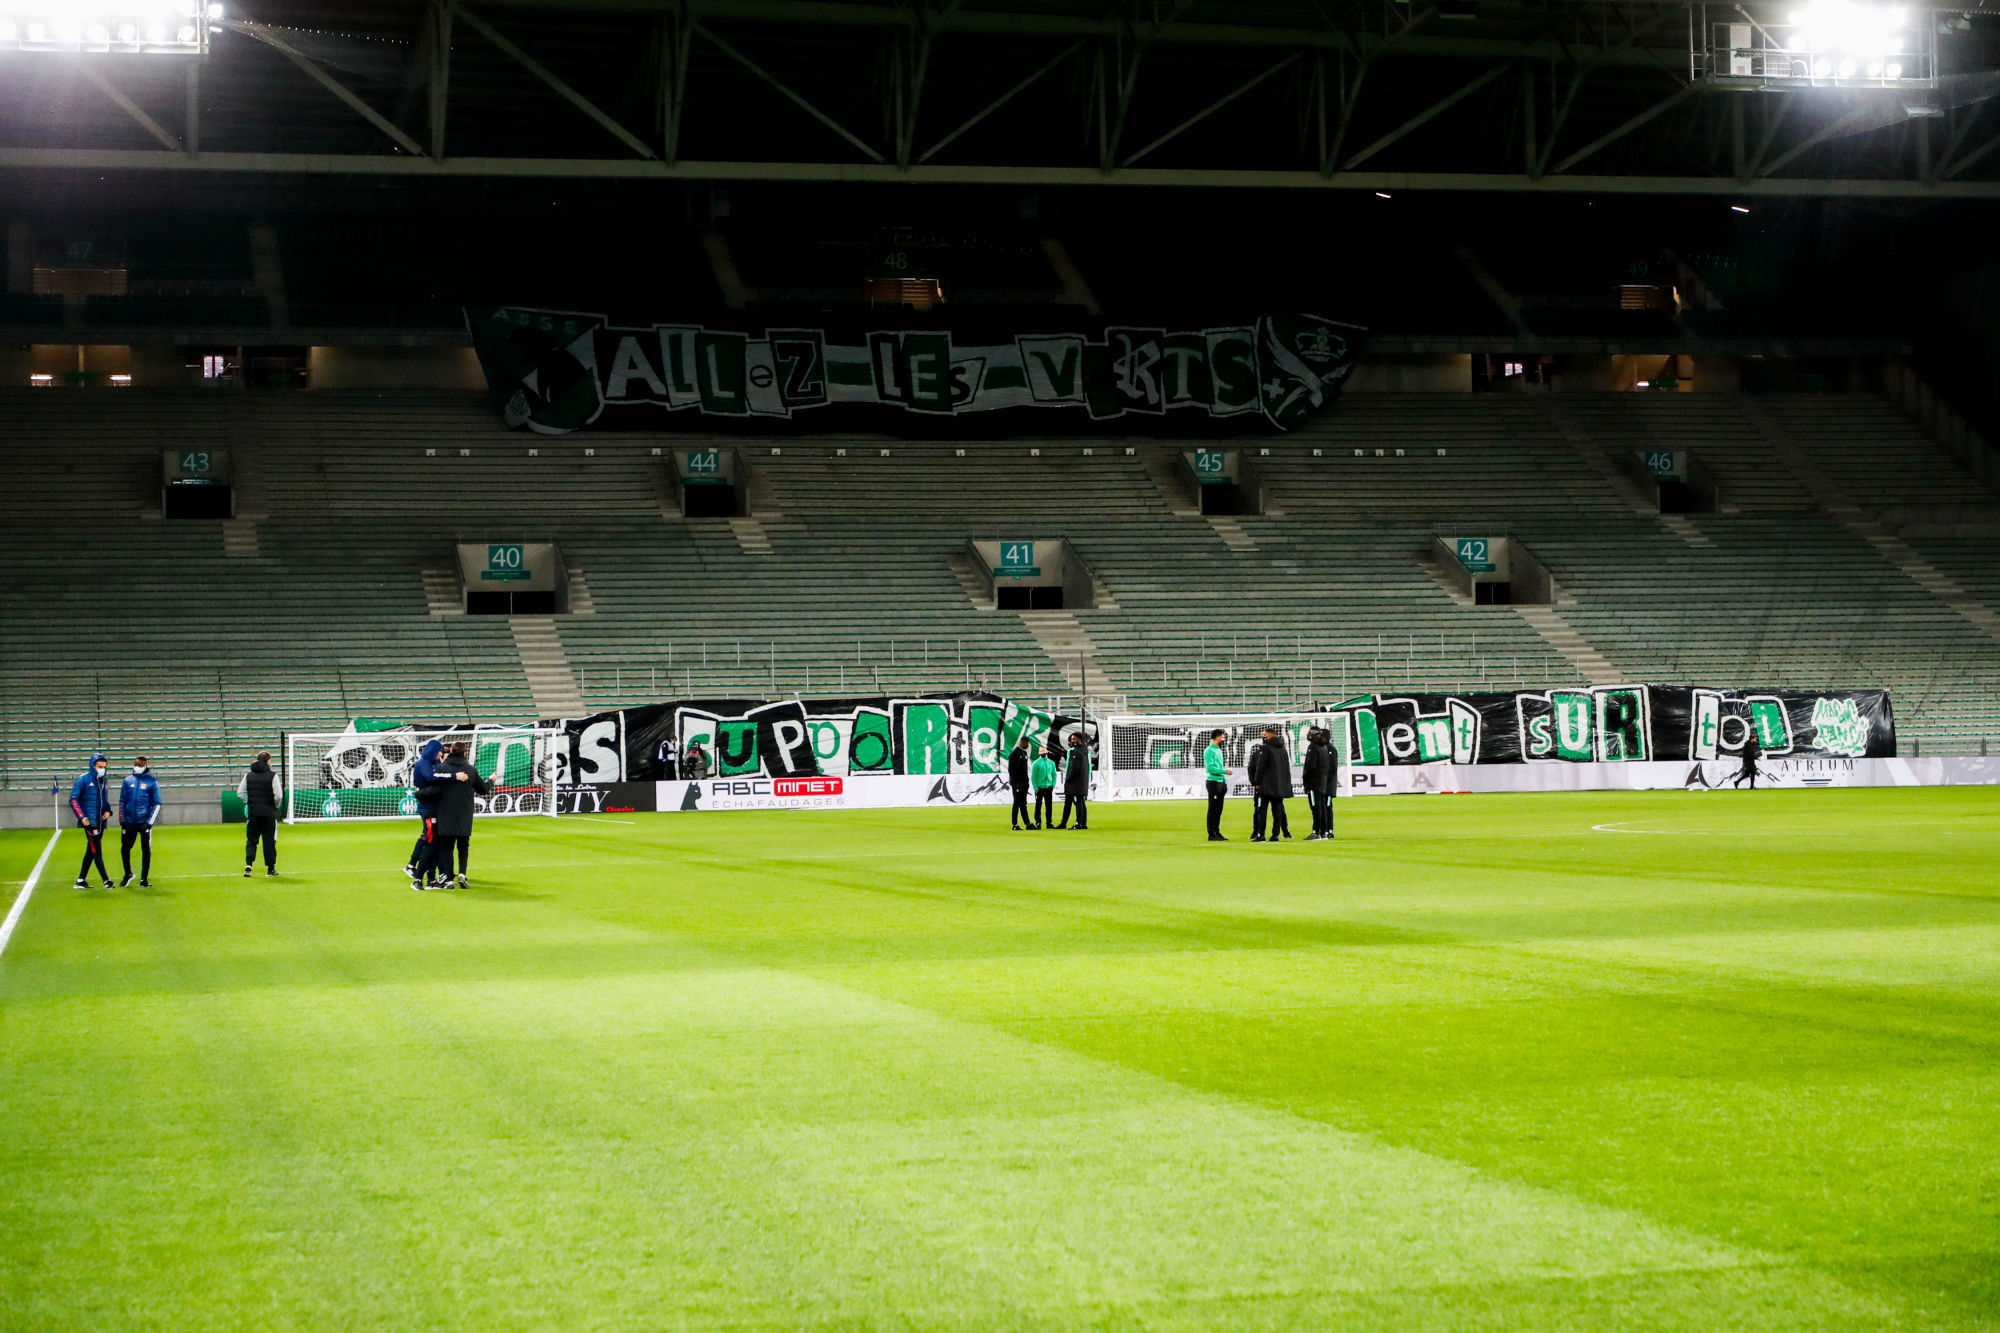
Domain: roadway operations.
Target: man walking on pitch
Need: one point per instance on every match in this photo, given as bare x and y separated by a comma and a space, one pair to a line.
90, 802
1320, 766
138, 811
423, 775
1076, 783
1017, 778
1752, 752
457, 783
263, 794
1274, 781
1217, 769
1043, 775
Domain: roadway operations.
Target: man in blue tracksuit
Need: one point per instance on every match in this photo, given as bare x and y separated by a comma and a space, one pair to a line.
423, 776
138, 811
90, 802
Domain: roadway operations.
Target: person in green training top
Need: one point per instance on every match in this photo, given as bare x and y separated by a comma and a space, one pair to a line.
1218, 783
1043, 775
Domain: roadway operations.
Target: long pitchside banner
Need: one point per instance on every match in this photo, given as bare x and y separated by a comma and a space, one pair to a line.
557, 371
1611, 724
801, 740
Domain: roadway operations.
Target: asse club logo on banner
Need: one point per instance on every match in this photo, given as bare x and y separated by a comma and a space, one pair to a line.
555, 372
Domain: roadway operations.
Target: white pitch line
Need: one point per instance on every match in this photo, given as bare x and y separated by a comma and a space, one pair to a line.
27, 891
1613, 827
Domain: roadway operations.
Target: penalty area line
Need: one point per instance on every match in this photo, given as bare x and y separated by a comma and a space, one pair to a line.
27, 891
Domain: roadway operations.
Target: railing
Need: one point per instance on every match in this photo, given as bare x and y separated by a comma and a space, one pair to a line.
1959, 437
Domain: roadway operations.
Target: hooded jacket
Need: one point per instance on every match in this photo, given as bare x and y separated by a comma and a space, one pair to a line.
454, 798
1044, 773
1017, 767
262, 791
1274, 773
89, 797
1076, 771
139, 800
1318, 768
424, 775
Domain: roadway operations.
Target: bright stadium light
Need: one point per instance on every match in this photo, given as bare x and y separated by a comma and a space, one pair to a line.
116, 27
1852, 43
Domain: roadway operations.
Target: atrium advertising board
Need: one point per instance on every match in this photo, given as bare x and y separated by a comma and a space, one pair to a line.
555, 372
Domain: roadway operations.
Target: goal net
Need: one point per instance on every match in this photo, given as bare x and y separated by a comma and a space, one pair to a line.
356, 774
1159, 757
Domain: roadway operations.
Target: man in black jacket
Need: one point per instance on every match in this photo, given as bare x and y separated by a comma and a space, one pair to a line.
458, 783
1076, 783
263, 795
1274, 782
1752, 752
1017, 778
1253, 769
1320, 767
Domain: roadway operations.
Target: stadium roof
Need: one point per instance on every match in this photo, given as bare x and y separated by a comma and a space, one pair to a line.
1377, 95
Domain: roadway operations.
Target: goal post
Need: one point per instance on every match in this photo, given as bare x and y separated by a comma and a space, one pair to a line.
1159, 756
354, 774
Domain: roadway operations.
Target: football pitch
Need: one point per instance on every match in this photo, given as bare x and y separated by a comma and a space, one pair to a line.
1665, 1060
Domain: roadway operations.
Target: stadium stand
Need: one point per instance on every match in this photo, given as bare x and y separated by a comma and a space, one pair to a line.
312, 607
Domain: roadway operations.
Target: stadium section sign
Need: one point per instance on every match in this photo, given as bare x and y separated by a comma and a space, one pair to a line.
801, 750
556, 372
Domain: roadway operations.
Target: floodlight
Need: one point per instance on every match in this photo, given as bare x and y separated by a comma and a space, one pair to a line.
1894, 69
150, 27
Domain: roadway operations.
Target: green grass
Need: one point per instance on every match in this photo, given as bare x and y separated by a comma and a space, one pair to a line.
1476, 1065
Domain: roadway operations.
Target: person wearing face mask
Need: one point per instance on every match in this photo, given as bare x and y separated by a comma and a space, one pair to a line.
138, 811
90, 802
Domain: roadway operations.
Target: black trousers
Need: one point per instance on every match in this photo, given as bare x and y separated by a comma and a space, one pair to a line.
430, 849
1080, 804
260, 828
1020, 813
93, 854
1260, 811
462, 844
1322, 811
1279, 828
1749, 770
143, 835
1045, 807
1216, 791
418, 852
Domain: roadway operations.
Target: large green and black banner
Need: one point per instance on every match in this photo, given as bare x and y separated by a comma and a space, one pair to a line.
555, 372
942, 734
1610, 724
